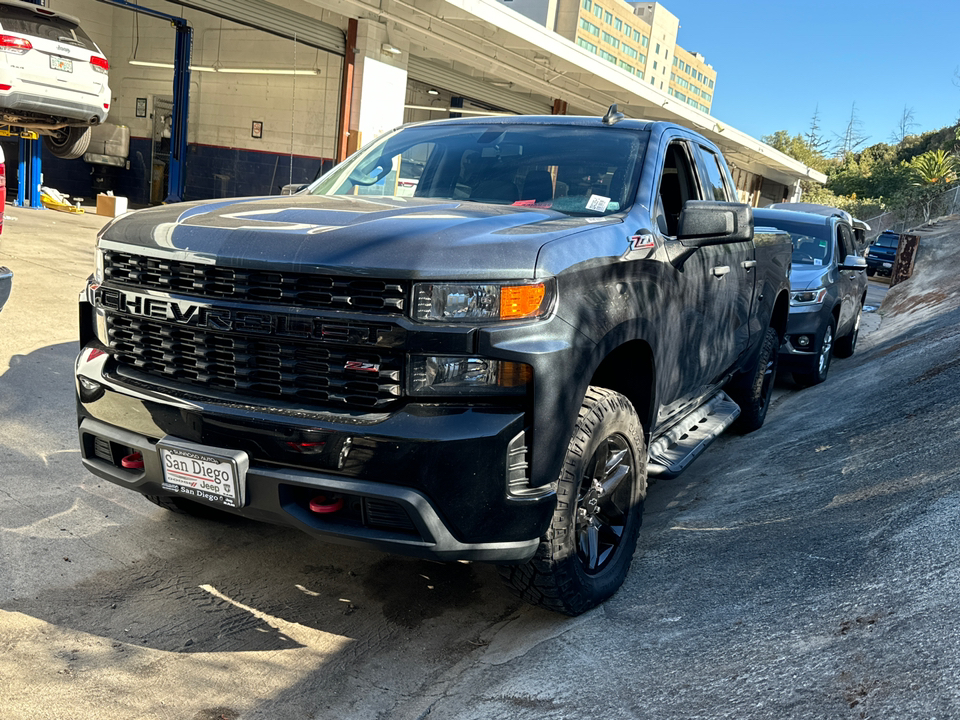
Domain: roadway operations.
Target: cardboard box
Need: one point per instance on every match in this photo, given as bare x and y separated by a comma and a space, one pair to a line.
111, 205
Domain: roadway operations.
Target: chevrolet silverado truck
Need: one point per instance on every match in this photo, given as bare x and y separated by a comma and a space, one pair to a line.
472, 340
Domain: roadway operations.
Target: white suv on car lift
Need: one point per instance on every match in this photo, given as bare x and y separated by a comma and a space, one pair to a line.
53, 77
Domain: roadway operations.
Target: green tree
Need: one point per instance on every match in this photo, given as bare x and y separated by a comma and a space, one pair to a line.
934, 167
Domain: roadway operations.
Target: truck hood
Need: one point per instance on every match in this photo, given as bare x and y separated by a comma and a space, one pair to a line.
807, 277
372, 236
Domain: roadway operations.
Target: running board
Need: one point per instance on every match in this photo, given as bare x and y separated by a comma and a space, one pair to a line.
680, 445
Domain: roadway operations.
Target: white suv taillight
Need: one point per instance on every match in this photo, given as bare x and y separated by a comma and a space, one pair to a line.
100, 64
14, 44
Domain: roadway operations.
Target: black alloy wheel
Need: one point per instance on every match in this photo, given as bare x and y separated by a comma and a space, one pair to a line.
603, 503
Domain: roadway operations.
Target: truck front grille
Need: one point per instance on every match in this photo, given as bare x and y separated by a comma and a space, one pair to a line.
309, 373
303, 290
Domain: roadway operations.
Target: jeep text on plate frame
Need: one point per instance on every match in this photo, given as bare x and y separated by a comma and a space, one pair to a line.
197, 472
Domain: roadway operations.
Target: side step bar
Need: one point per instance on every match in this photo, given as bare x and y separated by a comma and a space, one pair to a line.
680, 445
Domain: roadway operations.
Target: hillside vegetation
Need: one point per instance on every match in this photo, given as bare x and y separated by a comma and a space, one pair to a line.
892, 184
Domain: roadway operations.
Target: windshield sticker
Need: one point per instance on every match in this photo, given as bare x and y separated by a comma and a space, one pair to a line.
823, 243
817, 261
598, 203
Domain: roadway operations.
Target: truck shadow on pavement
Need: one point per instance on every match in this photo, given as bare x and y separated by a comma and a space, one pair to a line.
185, 584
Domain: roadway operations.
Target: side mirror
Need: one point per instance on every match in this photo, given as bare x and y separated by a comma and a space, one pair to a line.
853, 262
710, 222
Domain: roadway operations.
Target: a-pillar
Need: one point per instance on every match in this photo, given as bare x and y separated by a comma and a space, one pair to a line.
379, 89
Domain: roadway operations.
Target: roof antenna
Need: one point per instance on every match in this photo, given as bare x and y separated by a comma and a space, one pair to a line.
613, 116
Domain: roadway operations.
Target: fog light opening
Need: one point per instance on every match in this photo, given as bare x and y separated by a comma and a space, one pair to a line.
803, 341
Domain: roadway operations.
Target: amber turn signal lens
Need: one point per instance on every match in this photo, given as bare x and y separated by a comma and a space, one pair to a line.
514, 375
521, 301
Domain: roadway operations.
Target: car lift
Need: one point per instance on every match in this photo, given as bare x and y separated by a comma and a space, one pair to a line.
181, 95
29, 175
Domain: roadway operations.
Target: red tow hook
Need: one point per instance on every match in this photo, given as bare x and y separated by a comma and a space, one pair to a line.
321, 504
133, 462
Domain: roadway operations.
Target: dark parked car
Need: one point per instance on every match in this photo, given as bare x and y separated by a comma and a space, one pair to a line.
827, 291
882, 254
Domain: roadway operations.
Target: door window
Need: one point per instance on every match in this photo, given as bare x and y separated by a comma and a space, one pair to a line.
715, 182
677, 185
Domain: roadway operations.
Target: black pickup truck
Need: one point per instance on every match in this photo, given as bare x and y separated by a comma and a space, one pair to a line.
472, 340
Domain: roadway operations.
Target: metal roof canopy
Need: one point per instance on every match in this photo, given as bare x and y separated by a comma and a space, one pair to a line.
486, 41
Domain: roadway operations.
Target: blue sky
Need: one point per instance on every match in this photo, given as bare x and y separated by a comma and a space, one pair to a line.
776, 62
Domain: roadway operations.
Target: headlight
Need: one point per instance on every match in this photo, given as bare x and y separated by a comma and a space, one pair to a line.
808, 297
98, 266
481, 302
454, 375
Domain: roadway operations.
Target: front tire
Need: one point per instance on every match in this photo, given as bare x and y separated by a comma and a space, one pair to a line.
824, 356
753, 392
69, 143
847, 345
586, 552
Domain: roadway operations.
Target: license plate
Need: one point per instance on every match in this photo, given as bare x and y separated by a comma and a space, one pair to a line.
886, 265
213, 475
61, 63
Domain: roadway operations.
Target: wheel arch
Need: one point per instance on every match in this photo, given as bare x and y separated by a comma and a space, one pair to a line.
630, 369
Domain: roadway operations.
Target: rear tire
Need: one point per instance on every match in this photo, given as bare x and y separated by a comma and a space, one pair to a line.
753, 392
824, 355
586, 552
69, 143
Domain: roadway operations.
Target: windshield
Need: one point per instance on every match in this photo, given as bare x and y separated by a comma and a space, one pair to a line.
575, 170
887, 241
811, 243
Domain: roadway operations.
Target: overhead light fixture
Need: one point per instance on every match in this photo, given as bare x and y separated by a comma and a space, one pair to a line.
226, 70
389, 49
433, 91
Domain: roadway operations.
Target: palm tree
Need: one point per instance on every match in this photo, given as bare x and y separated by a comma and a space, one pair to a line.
934, 167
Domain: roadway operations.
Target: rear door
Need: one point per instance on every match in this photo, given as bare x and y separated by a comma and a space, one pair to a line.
61, 60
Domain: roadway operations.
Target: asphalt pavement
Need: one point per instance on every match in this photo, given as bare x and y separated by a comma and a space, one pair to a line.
808, 570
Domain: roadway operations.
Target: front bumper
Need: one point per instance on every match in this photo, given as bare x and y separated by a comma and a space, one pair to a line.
884, 266
803, 321
429, 481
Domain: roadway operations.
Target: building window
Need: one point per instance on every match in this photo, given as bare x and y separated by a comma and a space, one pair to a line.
640, 74
626, 66
618, 24
587, 5
642, 58
644, 41
607, 17
607, 56
653, 81
589, 27
627, 50
680, 96
654, 64
699, 77
657, 51
598, 11
706, 96
688, 68
588, 45
666, 54
711, 84
627, 30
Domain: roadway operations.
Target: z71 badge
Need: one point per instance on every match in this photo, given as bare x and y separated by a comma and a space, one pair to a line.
362, 366
639, 247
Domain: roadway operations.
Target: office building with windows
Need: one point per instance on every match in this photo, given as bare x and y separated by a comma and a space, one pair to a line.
639, 37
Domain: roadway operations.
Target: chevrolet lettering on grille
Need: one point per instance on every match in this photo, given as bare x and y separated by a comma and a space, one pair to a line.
200, 315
